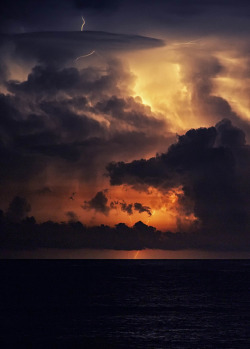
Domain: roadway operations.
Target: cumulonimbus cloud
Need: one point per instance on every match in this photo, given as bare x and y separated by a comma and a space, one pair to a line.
212, 166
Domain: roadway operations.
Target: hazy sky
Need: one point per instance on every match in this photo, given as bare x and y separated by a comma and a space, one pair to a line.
115, 112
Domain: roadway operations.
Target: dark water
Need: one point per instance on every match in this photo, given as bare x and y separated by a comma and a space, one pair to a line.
125, 304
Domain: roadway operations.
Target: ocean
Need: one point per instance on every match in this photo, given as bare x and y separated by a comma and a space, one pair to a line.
152, 304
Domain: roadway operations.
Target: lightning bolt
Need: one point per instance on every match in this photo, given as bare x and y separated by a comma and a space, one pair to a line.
135, 256
83, 23
87, 55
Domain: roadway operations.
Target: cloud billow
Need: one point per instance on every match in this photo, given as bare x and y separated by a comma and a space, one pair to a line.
56, 118
98, 203
141, 208
211, 165
128, 208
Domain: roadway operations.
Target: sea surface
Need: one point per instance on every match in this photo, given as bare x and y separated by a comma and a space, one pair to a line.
125, 304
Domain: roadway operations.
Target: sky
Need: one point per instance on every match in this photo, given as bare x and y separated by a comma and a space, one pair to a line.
125, 129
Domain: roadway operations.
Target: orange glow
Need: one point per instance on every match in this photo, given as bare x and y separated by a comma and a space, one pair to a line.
165, 83
136, 255
111, 254
159, 84
166, 77
166, 211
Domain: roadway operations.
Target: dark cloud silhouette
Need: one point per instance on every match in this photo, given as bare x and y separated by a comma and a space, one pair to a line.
140, 208
62, 125
98, 203
4, 74
28, 235
44, 191
48, 80
212, 166
229, 136
113, 204
72, 216
130, 111
72, 197
128, 208
18, 209
64, 46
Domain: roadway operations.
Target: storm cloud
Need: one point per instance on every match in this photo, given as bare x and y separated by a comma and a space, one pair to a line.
64, 47
200, 72
27, 234
98, 203
211, 164
130, 208
79, 105
18, 209
73, 119
141, 208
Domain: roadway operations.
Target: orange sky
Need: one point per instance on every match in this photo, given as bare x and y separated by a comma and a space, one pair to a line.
164, 79
111, 254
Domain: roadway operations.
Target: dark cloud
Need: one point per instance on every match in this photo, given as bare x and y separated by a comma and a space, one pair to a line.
44, 191
4, 74
212, 166
46, 81
54, 119
113, 204
128, 208
140, 208
162, 15
28, 235
72, 196
229, 136
98, 203
13, 14
98, 5
18, 209
130, 111
60, 47
72, 216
